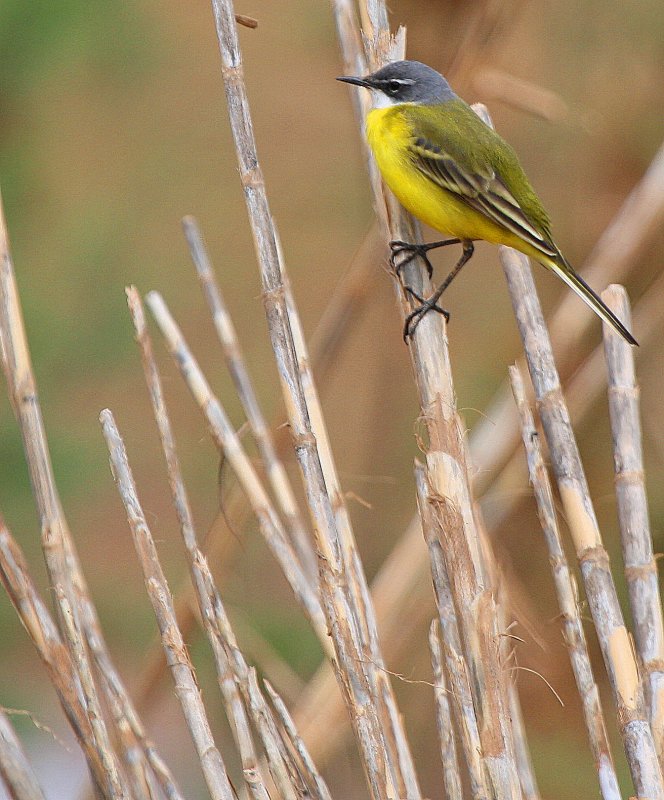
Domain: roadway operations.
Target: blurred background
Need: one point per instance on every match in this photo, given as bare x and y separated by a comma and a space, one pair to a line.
113, 127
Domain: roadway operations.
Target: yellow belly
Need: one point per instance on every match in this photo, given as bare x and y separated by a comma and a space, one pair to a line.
388, 135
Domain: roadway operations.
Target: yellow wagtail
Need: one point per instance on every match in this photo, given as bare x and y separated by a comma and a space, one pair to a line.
458, 176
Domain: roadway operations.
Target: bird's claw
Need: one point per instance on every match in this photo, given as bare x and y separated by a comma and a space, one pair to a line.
416, 316
412, 251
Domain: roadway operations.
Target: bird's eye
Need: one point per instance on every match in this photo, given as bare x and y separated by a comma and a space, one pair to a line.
393, 87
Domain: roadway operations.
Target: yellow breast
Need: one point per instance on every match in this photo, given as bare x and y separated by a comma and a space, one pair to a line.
389, 134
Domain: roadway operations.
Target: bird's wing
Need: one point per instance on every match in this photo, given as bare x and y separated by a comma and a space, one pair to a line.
481, 188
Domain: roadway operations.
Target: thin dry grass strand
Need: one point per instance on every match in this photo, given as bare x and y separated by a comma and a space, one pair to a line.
186, 687
229, 442
206, 593
237, 367
458, 671
636, 538
619, 658
314, 779
380, 760
568, 599
448, 754
15, 769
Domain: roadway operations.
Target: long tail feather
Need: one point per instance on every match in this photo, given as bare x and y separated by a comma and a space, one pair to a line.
564, 270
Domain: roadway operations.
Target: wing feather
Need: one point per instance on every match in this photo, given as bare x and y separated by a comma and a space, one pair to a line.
483, 190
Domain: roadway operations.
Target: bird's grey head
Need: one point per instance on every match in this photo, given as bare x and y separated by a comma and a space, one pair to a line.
406, 82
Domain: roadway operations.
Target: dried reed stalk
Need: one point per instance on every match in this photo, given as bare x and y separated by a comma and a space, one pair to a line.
568, 600
244, 387
234, 675
495, 438
186, 687
333, 329
203, 584
602, 597
62, 563
458, 672
581, 392
446, 462
55, 656
386, 764
229, 442
638, 558
389, 715
448, 754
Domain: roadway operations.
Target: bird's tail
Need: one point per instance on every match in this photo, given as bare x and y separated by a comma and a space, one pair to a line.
565, 271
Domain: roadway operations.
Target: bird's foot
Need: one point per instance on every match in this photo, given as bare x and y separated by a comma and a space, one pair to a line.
411, 250
416, 316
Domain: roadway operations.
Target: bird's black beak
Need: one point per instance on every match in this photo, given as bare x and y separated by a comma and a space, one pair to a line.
355, 81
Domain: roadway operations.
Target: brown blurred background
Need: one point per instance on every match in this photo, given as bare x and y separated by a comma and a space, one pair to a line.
114, 126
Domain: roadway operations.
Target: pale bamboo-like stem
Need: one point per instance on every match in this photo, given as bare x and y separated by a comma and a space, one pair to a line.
284, 773
15, 769
398, 591
244, 386
375, 667
233, 673
182, 670
380, 759
315, 780
500, 581
201, 579
127, 722
406, 566
568, 600
117, 785
58, 547
227, 439
581, 392
458, 671
287, 776
43, 632
448, 755
446, 461
600, 588
332, 330
231, 660
400, 761
640, 567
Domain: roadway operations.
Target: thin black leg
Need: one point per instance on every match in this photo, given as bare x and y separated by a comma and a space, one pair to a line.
431, 303
415, 250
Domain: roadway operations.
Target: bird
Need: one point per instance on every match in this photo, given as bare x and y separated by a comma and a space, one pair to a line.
456, 174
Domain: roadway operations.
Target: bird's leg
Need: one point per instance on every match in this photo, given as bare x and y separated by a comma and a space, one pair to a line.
414, 250
431, 303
